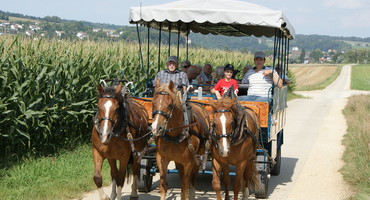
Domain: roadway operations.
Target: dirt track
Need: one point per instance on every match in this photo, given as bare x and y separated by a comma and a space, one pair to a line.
311, 154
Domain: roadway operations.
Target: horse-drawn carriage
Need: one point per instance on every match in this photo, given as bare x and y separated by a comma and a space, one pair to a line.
261, 125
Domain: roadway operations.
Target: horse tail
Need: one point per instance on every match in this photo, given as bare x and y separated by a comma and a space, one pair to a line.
250, 176
129, 169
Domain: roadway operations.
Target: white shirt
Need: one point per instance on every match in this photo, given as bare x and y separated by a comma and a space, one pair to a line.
259, 84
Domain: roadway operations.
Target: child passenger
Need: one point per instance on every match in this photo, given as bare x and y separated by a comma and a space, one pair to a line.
224, 84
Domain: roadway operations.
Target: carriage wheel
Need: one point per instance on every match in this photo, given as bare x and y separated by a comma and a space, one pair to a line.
276, 169
145, 178
261, 192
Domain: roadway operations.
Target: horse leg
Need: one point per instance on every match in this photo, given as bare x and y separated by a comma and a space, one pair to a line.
194, 174
135, 170
115, 180
226, 179
186, 180
180, 169
216, 184
98, 162
239, 178
162, 166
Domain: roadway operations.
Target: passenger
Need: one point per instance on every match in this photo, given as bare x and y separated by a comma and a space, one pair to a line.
218, 74
224, 84
179, 78
193, 73
185, 65
206, 76
260, 80
283, 75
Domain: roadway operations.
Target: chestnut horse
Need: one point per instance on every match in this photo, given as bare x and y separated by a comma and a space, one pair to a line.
233, 145
176, 141
117, 116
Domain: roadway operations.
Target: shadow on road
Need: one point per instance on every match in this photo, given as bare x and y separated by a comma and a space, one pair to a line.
286, 173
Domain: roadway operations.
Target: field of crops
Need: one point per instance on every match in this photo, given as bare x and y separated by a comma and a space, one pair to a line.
48, 88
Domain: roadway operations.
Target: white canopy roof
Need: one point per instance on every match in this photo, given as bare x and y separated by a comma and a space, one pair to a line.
224, 17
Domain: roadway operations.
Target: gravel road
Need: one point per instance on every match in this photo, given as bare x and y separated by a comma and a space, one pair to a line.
311, 154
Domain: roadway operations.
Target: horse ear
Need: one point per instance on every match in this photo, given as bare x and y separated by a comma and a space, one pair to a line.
232, 93
157, 83
118, 89
100, 89
171, 85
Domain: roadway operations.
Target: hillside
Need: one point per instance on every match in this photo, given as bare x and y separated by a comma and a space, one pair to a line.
318, 47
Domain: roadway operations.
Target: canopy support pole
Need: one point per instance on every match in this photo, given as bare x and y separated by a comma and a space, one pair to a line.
147, 66
141, 53
169, 39
187, 41
159, 46
178, 39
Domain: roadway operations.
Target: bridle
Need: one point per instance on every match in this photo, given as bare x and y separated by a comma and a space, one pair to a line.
164, 114
215, 137
97, 120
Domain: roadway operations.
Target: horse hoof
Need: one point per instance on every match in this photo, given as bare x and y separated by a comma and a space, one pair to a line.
134, 198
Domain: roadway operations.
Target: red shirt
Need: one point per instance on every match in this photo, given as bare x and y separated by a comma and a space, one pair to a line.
222, 85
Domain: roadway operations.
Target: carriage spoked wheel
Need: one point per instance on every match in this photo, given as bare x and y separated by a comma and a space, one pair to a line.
145, 178
263, 168
262, 191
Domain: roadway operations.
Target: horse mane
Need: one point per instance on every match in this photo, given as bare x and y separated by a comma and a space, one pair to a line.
173, 95
225, 102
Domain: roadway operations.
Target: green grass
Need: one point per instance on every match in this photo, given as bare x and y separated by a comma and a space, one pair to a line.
292, 95
65, 176
356, 170
323, 84
360, 79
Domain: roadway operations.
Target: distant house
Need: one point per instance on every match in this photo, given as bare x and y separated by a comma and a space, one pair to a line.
16, 26
59, 33
30, 32
34, 28
81, 35
295, 49
95, 30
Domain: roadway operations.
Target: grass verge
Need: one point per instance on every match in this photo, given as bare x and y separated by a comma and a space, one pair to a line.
64, 176
323, 84
356, 170
360, 77
292, 95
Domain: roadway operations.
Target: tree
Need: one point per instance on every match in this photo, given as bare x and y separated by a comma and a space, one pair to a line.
301, 57
316, 55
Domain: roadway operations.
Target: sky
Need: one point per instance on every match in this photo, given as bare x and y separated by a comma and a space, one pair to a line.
322, 17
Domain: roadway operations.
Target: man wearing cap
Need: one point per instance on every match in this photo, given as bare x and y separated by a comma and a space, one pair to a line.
179, 78
224, 84
260, 80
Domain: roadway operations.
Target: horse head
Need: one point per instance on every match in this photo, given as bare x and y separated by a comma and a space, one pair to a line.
165, 101
108, 115
223, 124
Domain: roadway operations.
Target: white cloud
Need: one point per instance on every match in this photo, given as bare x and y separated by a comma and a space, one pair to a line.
352, 4
359, 19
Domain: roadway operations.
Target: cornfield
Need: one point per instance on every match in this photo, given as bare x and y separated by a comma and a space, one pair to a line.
49, 88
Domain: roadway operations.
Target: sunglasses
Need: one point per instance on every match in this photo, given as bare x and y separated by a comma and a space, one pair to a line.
185, 66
